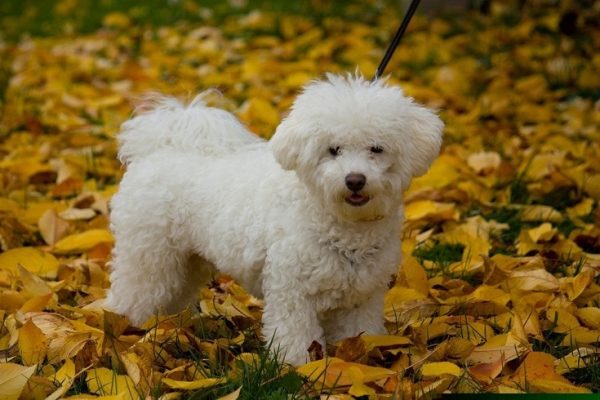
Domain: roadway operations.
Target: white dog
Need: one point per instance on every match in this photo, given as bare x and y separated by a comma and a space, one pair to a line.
310, 220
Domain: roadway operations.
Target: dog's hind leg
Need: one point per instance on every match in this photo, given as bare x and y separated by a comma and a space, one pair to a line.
199, 272
153, 279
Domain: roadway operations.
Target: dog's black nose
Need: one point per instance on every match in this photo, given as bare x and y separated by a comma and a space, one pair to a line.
355, 182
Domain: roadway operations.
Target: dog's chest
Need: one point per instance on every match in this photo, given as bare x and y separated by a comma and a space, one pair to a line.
350, 277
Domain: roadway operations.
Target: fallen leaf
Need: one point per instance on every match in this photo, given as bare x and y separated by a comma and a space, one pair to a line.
33, 260
590, 316
233, 395
84, 241
13, 378
532, 280
103, 381
427, 209
32, 344
193, 385
52, 227
65, 377
437, 369
332, 371
484, 162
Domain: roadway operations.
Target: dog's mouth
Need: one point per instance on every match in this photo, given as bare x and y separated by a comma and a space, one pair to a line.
357, 200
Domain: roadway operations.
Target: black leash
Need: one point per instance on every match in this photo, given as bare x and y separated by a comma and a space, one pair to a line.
390, 51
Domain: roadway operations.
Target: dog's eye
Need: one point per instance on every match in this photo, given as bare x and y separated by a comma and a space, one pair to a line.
334, 151
376, 149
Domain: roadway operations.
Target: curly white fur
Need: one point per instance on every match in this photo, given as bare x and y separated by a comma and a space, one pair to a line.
202, 193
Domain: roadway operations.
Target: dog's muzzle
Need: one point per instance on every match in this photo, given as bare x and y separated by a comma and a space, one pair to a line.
355, 183
357, 199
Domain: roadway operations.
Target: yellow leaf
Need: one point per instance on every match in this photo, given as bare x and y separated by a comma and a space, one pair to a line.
581, 209
114, 324
193, 385
580, 336
67, 345
334, 371
37, 303
432, 330
540, 213
487, 372
476, 332
230, 308
121, 396
574, 286
441, 174
459, 348
116, 20
565, 321
52, 227
415, 275
399, 295
33, 285
259, 110
530, 318
428, 389
575, 360
296, 79
427, 209
590, 316
233, 395
536, 279
103, 381
84, 241
534, 87
484, 162
372, 341
32, 343
592, 186
33, 260
491, 294
537, 372
542, 233
486, 354
10, 300
13, 378
65, 377
352, 349
358, 387
555, 386
437, 369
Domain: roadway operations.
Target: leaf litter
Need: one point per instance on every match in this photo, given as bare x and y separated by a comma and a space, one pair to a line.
499, 288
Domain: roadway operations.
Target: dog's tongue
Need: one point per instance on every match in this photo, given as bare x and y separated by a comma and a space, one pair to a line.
357, 198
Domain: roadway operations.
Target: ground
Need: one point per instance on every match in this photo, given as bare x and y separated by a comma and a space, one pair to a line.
499, 290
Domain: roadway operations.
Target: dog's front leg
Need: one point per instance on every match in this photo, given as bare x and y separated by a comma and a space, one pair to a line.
290, 321
366, 317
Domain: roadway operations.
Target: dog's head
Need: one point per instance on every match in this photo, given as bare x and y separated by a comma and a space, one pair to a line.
357, 144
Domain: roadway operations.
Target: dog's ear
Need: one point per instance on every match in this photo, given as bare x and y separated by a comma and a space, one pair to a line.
286, 144
421, 139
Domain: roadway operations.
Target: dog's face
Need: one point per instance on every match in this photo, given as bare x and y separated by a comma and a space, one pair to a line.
356, 145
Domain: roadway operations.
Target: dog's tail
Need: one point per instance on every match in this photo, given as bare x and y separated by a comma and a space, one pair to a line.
165, 123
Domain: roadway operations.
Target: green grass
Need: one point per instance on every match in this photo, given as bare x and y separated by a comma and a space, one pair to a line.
59, 17
590, 374
265, 377
441, 254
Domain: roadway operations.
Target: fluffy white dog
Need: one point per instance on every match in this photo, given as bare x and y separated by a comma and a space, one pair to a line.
310, 220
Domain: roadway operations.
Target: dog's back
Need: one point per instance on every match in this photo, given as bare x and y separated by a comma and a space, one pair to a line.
165, 123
